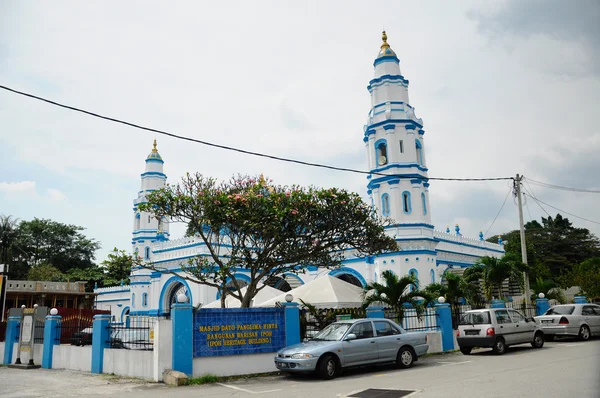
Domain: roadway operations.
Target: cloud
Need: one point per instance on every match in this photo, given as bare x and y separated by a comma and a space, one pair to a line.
56, 195
18, 188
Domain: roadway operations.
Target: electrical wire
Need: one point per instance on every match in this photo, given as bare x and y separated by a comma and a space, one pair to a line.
225, 147
499, 211
532, 195
562, 211
559, 187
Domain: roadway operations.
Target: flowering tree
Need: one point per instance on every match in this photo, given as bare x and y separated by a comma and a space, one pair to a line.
250, 225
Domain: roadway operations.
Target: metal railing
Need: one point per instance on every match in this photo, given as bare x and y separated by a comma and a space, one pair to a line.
312, 323
136, 333
413, 321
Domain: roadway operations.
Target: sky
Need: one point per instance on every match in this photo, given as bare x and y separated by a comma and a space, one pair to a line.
503, 87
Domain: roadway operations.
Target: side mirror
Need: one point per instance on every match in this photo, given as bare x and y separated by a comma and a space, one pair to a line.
529, 320
351, 336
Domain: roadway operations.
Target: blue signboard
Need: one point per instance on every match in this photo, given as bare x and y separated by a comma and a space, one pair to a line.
237, 331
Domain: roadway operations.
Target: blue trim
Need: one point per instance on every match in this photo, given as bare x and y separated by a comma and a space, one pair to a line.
413, 271
155, 274
113, 291
132, 300
386, 58
419, 147
147, 253
375, 183
432, 275
384, 122
349, 271
410, 127
154, 160
388, 102
411, 225
426, 184
394, 182
385, 204
111, 300
379, 143
389, 127
424, 200
144, 299
416, 181
153, 173
383, 78
167, 286
406, 202
183, 345
141, 231
100, 341
240, 276
123, 312
139, 283
400, 166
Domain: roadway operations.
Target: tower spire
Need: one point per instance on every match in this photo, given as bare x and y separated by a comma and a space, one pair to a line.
154, 150
385, 44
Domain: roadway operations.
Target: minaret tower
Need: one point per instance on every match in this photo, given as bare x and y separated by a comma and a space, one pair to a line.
395, 147
146, 228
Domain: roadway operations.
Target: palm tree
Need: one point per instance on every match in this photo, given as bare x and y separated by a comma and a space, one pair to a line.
396, 293
549, 288
8, 234
456, 287
492, 272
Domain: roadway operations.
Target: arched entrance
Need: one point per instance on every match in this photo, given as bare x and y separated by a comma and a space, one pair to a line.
279, 283
168, 296
349, 275
350, 279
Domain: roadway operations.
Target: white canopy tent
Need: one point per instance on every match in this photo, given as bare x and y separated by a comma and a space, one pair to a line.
266, 293
323, 292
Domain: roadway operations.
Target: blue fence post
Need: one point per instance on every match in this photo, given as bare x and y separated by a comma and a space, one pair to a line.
183, 337
580, 300
541, 305
497, 304
292, 323
100, 341
375, 311
51, 338
12, 337
444, 319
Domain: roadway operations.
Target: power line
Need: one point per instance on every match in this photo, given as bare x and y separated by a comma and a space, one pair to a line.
238, 149
532, 195
562, 211
559, 187
499, 211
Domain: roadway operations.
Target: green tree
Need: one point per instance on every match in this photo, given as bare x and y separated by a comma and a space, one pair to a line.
8, 234
554, 246
456, 287
62, 245
93, 275
492, 272
45, 272
550, 289
586, 275
395, 292
265, 229
117, 267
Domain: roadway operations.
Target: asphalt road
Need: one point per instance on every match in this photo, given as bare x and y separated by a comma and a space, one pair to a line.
560, 369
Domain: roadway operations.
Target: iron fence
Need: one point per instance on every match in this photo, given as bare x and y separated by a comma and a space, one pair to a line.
75, 326
312, 322
528, 310
136, 333
411, 320
38, 331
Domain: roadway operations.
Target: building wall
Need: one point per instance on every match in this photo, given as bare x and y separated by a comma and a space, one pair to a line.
234, 364
130, 363
72, 357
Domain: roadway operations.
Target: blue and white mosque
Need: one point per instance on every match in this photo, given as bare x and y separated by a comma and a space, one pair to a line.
398, 188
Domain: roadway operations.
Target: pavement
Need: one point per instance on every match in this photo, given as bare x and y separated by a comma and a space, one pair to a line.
559, 369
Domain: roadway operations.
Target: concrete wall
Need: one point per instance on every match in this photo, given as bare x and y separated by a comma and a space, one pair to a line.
2, 351
234, 364
434, 339
37, 354
163, 348
72, 357
132, 363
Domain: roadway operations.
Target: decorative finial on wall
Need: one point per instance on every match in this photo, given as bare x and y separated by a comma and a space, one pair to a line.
154, 150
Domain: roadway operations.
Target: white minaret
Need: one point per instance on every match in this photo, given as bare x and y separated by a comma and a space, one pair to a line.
146, 228
395, 146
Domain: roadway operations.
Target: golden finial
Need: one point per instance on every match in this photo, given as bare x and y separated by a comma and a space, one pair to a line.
154, 150
384, 38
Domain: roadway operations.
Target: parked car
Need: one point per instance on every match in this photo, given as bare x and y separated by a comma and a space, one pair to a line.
132, 339
353, 342
81, 338
580, 320
497, 328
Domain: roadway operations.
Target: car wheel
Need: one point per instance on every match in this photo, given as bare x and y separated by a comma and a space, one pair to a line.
466, 350
328, 367
549, 337
405, 358
538, 340
499, 347
584, 333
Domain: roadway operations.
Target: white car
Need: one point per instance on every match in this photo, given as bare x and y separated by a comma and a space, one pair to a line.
577, 320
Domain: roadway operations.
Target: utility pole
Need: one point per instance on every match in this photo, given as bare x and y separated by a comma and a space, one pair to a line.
518, 180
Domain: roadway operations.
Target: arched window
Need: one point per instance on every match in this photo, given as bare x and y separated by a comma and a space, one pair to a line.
147, 253
419, 152
414, 273
424, 200
385, 204
137, 221
149, 218
406, 205
144, 299
432, 274
132, 300
381, 155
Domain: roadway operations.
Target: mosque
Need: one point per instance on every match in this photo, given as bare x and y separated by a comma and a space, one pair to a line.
398, 188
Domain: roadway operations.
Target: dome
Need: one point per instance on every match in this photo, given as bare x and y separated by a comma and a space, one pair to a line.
154, 154
385, 50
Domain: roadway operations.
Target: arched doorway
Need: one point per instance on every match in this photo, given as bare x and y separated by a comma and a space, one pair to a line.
278, 283
168, 296
350, 279
349, 275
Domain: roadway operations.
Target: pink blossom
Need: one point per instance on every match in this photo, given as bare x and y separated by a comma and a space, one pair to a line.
288, 193
294, 212
259, 195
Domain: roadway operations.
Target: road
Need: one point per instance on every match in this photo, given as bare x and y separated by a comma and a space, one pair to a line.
560, 369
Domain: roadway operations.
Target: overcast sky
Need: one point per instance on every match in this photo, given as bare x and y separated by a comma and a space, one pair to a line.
503, 87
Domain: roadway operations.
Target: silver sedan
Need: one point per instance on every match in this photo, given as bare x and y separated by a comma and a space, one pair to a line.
353, 343
580, 320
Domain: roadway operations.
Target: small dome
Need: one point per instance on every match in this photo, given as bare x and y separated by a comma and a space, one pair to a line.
154, 154
385, 50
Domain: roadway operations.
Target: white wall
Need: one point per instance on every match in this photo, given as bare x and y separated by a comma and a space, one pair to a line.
37, 354
72, 357
233, 365
163, 348
131, 363
434, 339
1, 351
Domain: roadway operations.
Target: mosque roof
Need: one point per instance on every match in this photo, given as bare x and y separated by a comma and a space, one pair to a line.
154, 154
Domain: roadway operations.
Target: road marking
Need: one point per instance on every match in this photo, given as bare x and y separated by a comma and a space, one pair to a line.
244, 390
571, 345
452, 363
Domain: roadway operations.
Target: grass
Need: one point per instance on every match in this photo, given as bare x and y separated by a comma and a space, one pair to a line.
210, 378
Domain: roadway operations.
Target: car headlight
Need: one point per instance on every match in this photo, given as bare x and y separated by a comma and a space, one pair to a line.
302, 356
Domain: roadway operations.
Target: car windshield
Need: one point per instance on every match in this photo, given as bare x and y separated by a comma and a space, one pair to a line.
333, 332
476, 318
561, 310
